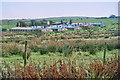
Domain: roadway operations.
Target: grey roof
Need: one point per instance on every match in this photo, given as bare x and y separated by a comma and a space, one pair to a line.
55, 27
69, 26
27, 28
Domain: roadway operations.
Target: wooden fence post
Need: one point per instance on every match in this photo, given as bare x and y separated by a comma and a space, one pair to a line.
25, 59
104, 52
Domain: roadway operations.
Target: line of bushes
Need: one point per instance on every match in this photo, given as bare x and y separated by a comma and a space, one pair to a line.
67, 47
14, 49
93, 48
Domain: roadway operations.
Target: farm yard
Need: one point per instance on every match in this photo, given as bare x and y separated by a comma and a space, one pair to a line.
84, 53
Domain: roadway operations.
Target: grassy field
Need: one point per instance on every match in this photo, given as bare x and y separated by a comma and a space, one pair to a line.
36, 57
51, 47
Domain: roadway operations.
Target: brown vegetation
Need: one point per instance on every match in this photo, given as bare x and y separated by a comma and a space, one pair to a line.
63, 69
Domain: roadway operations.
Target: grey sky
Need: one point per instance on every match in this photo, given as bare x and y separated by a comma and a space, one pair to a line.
19, 10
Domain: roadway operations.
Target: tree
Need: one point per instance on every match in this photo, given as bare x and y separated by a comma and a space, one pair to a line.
32, 22
36, 23
22, 24
44, 20
112, 16
61, 22
51, 22
70, 21
17, 24
87, 17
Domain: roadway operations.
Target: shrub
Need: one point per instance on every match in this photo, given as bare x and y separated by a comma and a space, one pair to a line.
92, 49
110, 47
67, 51
117, 45
34, 47
85, 47
100, 47
12, 49
77, 48
59, 49
51, 48
43, 51
34, 44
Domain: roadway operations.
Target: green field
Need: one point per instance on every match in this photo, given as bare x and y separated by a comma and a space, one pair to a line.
50, 47
36, 57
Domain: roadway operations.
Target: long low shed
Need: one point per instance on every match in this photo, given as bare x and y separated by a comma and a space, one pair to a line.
26, 29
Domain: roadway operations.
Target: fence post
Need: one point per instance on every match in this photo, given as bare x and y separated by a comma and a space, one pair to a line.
104, 53
25, 58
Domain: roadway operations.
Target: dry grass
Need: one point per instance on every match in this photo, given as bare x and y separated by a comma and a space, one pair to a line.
64, 69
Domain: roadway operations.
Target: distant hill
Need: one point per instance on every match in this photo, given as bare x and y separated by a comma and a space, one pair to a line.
55, 19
